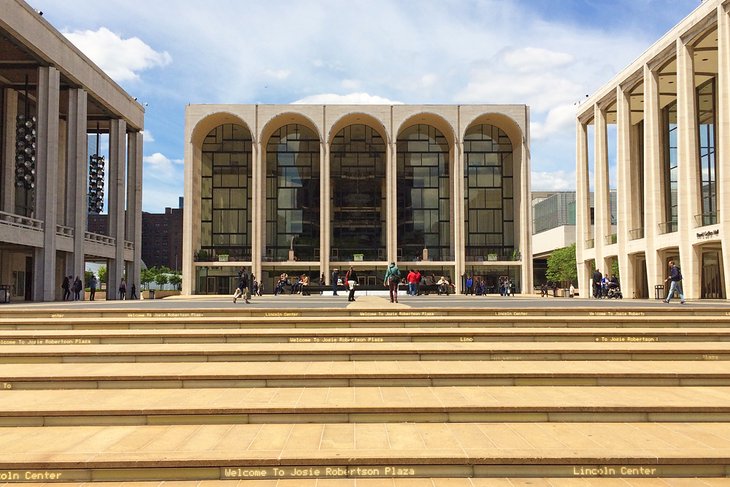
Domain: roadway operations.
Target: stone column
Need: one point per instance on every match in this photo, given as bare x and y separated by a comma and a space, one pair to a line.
458, 216
582, 208
523, 220
324, 210
8, 157
601, 197
77, 175
653, 168
723, 138
258, 202
391, 216
44, 258
624, 193
689, 180
192, 201
117, 156
134, 207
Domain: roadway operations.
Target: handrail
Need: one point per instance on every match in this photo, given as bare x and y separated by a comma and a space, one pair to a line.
21, 221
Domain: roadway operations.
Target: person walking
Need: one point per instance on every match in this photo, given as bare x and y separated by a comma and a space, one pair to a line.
242, 289
66, 286
77, 287
335, 278
392, 278
92, 287
675, 276
351, 279
597, 278
123, 289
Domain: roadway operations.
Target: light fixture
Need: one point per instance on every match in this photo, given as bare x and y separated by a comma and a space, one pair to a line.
25, 146
96, 179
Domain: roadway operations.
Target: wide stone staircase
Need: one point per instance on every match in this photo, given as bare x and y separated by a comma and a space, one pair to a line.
366, 397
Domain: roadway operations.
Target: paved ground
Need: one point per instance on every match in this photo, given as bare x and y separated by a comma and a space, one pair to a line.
373, 299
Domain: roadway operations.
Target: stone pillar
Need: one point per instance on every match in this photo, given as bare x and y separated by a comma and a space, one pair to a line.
689, 180
7, 204
653, 168
582, 208
623, 191
601, 197
44, 258
134, 207
258, 202
458, 216
192, 201
391, 216
77, 175
723, 139
117, 156
325, 209
523, 220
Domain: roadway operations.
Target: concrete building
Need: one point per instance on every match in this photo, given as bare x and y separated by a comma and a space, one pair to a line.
667, 115
306, 189
53, 98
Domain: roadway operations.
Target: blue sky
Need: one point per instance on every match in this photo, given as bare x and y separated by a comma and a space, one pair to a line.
545, 53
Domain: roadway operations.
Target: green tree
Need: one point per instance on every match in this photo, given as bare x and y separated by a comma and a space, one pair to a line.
87, 278
146, 276
161, 279
176, 279
102, 276
561, 266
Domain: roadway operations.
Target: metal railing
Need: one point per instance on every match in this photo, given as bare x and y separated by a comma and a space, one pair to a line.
21, 221
636, 233
705, 219
667, 227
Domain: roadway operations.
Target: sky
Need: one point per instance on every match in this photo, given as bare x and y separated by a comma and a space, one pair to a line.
548, 54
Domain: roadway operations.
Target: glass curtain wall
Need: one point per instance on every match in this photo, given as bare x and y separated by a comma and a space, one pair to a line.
292, 194
423, 194
488, 194
225, 193
358, 194
706, 116
671, 167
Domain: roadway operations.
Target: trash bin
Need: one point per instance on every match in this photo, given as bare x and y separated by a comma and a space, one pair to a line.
659, 291
152, 294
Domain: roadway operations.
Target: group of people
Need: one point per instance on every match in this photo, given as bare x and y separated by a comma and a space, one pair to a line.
72, 288
298, 285
478, 286
603, 284
248, 286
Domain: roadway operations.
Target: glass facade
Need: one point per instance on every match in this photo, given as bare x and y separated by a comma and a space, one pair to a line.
225, 192
706, 118
423, 195
671, 166
488, 194
358, 195
292, 194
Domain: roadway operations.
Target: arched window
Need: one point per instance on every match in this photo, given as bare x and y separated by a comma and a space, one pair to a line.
358, 194
292, 194
423, 194
488, 194
225, 192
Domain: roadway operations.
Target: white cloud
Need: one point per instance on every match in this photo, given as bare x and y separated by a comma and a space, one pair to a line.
560, 118
350, 84
349, 99
553, 181
529, 59
122, 59
147, 136
279, 74
160, 166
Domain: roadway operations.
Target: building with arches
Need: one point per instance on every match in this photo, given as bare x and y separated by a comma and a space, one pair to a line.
660, 129
306, 189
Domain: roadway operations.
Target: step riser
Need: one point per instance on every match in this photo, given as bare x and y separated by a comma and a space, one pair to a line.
181, 418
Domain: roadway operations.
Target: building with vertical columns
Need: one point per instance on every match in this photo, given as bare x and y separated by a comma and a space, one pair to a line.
55, 107
661, 130
306, 189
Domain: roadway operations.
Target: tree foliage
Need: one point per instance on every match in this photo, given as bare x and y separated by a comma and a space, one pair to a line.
102, 275
561, 266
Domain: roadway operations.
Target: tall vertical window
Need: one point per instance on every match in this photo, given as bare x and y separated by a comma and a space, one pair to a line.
292, 193
225, 192
358, 194
706, 117
423, 194
671, 167
488, 194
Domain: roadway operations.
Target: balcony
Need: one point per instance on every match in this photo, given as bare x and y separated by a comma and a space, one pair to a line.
705, 219
590, 243
610, 239
20, 221
667, 227
636, 233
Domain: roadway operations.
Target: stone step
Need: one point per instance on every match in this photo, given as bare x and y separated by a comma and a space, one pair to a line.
403, 450
274, 352
359, 335
414, 482
417, 319
543, 404
361, 373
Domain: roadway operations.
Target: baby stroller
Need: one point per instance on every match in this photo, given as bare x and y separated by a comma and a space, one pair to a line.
614, 291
